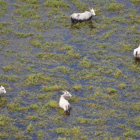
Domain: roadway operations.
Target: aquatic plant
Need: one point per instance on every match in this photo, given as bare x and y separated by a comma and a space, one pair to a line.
111, 91
114, 7
52, 88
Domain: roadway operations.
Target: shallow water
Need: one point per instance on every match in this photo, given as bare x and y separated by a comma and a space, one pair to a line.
42, 53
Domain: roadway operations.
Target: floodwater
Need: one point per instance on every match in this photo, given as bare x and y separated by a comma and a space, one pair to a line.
43, 53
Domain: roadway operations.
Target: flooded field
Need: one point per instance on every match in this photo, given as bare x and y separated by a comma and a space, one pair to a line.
43, 53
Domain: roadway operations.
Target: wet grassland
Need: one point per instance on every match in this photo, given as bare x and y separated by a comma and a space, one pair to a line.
42, 53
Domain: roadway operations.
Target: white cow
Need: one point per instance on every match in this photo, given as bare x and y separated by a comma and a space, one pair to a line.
2, 90
63, 102
136, 53
82, 16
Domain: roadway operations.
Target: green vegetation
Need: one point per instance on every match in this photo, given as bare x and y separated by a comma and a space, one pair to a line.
135, 120
135, 106
16, 107
130, 133
43, 53
35, 42
114, 7
40, 134
36, 79
4, 28
56, 4
3, 135
86, 63
84, 120
52, 88
4, 120
12, 78
32, 118
3, 7
77, 87
34, 107
75, 132
26, 12
52, 104
63, 69
2, 102
30, 128
135, 2
23, 35
111, 91
122, 85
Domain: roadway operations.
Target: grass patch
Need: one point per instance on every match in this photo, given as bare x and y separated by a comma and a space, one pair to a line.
136, 2
135, 106
30, 128
52, 88
32, 118
40, 134
34, 107
4, 28
9, 78
80, 5
35, 42
122, 86
135, 120
4, 120
3, 7
2, 102
46, 95
99, 122
31, 1
111, 91
75, 132
13, 107
94, 106
52, 104
26, 12
82, 120
23, 35
4, 135
73, 54
118, 73
130, 133
77, 87
86, 63
63, 69
36, 79
114, 7
56, 4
